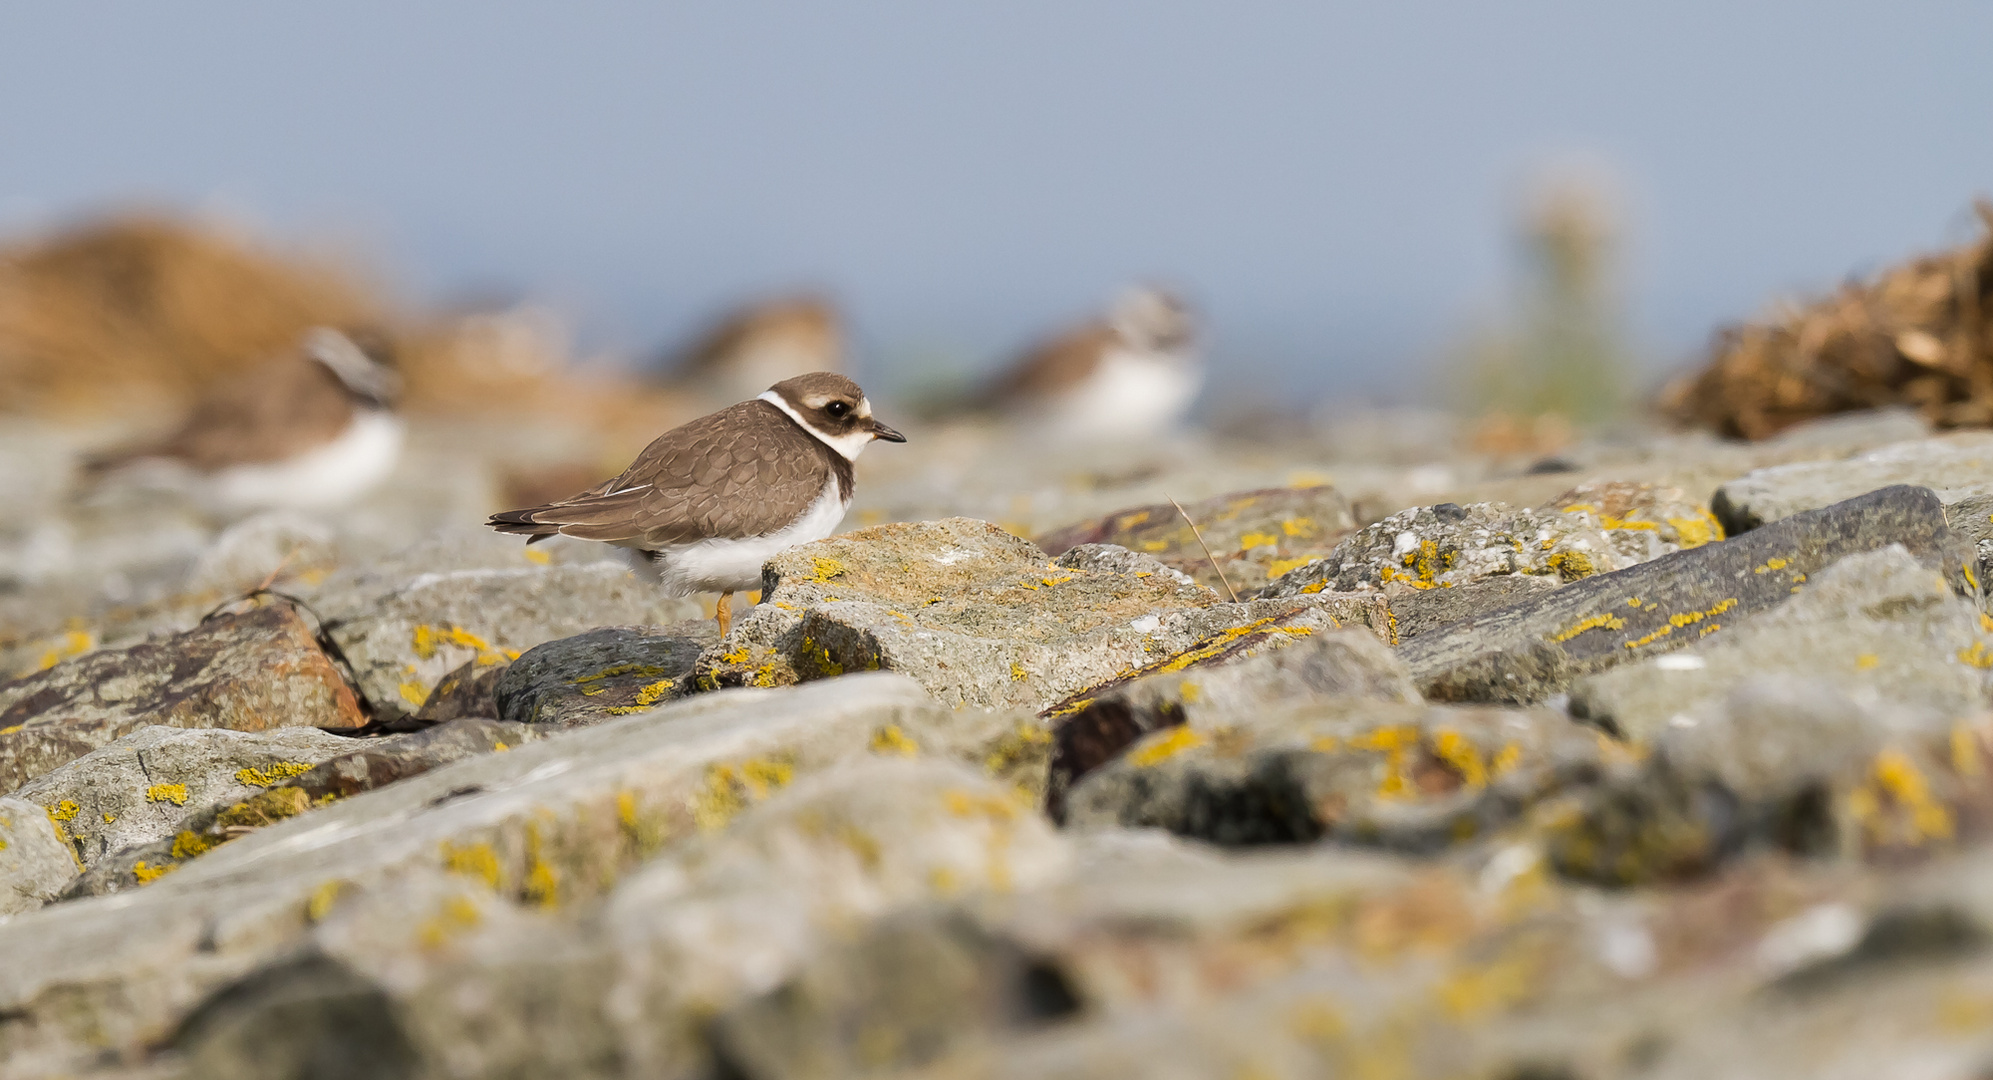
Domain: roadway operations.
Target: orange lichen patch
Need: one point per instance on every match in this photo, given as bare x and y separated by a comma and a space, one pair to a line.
1978, 655
322, 898
146, 874
66, 810
1867, 661
729, 789
1769, 566
1683, 619
1571, 565
414, 693
427, 639
1258, 539
458, 915
1395, 743
1696, 531
173, 793
1158, 750
187, 844
537, 556
648, 695
1465, 758
1507, 759
966, 804
74, 643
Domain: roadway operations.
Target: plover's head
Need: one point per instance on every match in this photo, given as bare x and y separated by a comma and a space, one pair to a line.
362, 360
1153, 320
832, 408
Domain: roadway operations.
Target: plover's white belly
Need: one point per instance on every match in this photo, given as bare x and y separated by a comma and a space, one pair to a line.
734, 565
330, 475
1128, 396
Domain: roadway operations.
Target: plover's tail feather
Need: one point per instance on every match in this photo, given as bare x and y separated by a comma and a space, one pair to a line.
587, 516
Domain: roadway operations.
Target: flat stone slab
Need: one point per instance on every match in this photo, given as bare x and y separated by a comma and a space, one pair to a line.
1953, 466
980, 617
254, 671
35, 864
1254, 536
1524, 653
1876, 625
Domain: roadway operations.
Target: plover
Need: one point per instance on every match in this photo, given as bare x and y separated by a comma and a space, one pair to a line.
1129, 374
312, 429
707, 503
759, 345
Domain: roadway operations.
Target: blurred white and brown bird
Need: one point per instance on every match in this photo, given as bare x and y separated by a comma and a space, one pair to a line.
708, 502
760, 345
312, 429
1131, 373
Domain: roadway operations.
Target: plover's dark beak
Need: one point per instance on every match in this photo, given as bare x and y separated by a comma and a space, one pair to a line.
881, 431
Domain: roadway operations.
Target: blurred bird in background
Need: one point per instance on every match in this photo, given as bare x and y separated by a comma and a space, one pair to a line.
1130, 374
312, 429
758, 345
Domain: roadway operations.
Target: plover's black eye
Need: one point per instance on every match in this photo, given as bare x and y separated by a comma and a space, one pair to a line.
837, 409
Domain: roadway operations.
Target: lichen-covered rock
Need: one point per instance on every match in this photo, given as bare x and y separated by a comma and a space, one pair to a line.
1447, 545
1787, 765
35, 864
139, 788
606, 672
1329, 666
1254, 536
255, 671
978, 617
1408, 777
363, 765
547, 825
1879, 625
403, 643
261, 548
1953, 466
1526, 652
1642, 521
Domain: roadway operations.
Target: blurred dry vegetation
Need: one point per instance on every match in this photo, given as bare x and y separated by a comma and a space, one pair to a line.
1918, 334
137, 314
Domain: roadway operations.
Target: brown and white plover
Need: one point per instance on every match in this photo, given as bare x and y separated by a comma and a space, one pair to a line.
707, 503
1129, 374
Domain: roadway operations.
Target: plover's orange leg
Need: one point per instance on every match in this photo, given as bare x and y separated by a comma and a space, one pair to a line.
724, 612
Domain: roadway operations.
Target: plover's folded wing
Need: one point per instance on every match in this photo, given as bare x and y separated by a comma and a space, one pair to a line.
730, 475
271, 413
1055, 365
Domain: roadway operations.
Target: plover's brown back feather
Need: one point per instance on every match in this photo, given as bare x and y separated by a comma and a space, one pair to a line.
1057, 364
273, 412
747, 470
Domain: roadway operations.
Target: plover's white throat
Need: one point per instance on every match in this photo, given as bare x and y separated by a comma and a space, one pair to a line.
707, 503
1130, 374
311, 430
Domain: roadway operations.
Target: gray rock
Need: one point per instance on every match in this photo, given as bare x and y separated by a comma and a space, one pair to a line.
1420, 611
249, 672
139, 788
260, 548
402, 644
1525, 653
1407, 777
362, 765
1444, 546
608, 672
1876, 626
34, 862
1641, 521
1115, 559
1336, 664
1253, 536
978, 617
1954, 466
550, 825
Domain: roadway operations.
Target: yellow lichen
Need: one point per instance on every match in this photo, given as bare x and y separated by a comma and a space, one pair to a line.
1965, 759
1024, 743
457, 915
891, 740
272, 773
146, 875
1456, 750
1155, 751
1769, 566
1608, 622
322, 898
1506, 760
11, 730
542, 885
538, 557
188, 844
1978, 655
427, 639
476, 860
1571, 565
173, 793
1283, 567
109, 818
414, 693
1017, 672
729, 789
1258, 539
823, 569
73, 644
1867, 661
66, 810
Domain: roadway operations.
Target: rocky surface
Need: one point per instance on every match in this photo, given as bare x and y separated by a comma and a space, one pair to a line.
1954, 466
611, 671
1252, 536
35, 864
977, 616
1527, 652
137, 789
1090, 820
250, 672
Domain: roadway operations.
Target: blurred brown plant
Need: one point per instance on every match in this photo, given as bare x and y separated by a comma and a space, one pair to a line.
1918, 334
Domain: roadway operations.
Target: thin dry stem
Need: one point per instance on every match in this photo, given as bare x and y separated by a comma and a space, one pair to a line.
1219, 570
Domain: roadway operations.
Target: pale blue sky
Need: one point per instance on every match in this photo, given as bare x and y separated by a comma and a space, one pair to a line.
1331, 182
